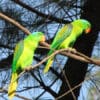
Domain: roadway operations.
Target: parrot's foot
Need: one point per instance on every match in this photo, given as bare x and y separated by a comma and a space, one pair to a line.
73, 50
27, 69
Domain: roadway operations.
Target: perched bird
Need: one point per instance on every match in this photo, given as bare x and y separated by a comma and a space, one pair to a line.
23, 58
66, 37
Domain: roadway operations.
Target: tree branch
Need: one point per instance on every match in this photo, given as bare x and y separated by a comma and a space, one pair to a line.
75, 87
77, 55
59, 97
43, 85
47, 16
22, 97
14, 23
66, 52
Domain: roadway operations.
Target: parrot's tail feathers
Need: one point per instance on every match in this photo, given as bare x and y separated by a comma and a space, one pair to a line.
48, 65
12, 86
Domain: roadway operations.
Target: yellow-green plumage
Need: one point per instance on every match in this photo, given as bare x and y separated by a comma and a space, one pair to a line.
23, 57
78, 27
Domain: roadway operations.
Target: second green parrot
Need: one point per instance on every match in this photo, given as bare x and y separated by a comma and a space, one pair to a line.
23, 58
66, 37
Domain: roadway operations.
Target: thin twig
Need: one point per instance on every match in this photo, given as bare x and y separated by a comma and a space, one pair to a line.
66, 52
75, 87
22, 97
48, 16
68, 83
66, 93
45, 59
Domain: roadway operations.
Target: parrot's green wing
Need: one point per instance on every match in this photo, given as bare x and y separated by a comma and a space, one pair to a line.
62, 34
13, 84
17, 53
18, 50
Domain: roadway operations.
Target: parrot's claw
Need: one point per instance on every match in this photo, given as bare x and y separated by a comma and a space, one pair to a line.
73, 50
27, 69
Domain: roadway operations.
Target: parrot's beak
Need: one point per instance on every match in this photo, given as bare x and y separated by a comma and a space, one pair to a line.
43, 39
43, 42
87, 30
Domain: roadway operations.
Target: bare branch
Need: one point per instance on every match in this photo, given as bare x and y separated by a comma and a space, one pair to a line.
68, 83
75, 55
68, 91
14, 23
75, 87
59, 97
50, 17
78, 56
68, 53
22, 97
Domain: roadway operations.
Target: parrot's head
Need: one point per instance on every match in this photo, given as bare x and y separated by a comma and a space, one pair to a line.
84, 24
39, 36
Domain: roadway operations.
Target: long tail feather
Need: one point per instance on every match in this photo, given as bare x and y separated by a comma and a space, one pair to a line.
48, 65
12, 86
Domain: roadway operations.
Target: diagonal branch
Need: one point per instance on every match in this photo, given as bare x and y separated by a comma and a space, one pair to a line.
50, 17
66, 52
75, 87
3, 16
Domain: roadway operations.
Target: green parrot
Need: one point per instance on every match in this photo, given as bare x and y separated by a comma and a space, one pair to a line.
23, 58
66, 37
